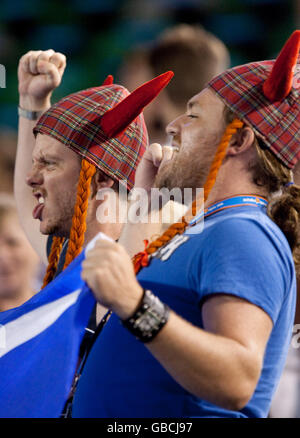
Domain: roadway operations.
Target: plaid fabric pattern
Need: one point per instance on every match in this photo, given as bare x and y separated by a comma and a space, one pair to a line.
277, 123
74, 121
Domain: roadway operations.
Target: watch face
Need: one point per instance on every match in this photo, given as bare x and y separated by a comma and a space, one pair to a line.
149, 321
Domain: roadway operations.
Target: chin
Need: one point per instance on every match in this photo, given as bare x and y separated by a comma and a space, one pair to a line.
44, 229
47, 229
55, 230
166, 181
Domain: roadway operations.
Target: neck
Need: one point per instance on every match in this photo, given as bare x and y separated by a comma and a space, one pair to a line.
111, 230
222, 190
107, 217
226, 187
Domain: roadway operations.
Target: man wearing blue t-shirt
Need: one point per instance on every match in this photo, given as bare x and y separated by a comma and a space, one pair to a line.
204, 329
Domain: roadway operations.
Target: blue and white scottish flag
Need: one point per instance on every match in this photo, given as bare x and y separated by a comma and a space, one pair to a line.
39, 346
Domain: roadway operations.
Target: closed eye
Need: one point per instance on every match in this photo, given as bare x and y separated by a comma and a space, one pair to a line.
46, 162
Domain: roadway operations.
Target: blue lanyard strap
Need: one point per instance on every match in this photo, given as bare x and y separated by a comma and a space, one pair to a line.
235, 201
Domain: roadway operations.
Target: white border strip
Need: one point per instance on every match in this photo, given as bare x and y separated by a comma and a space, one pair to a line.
27, 326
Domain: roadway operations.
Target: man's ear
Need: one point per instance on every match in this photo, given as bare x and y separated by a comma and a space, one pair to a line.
100, 181
241, 141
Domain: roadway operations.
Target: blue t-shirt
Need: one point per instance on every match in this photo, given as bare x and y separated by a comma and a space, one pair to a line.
240, 252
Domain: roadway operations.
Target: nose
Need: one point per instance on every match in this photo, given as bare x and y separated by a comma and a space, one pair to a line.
173, 128
34, 177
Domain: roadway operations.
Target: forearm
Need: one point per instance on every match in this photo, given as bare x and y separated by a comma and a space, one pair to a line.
210, 366
26, 141
23, 193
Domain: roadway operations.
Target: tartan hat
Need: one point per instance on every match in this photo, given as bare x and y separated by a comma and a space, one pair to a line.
104, 125
265, 95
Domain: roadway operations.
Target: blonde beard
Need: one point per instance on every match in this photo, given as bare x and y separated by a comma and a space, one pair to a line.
182, 172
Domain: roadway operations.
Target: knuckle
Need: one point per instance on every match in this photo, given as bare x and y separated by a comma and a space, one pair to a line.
35, 54
155, 146
60, 55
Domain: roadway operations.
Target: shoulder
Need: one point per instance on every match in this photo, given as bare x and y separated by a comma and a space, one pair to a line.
253, 229
247, 255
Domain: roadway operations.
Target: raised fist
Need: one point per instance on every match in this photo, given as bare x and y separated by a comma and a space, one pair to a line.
154, 157
39, 73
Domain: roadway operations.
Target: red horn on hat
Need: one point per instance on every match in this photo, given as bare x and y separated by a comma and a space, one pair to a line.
279, 83
109, 80
115, 120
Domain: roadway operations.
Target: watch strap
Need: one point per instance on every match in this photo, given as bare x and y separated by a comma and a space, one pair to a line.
148, 319
30, 115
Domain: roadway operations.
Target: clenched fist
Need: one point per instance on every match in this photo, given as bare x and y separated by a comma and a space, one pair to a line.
108, 270
154, 157
39, 73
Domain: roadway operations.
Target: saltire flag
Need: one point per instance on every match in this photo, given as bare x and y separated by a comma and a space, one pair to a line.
39, 346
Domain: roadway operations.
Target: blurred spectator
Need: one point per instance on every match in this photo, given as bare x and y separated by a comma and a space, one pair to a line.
19, 264
286, 401
8, 147
183, 49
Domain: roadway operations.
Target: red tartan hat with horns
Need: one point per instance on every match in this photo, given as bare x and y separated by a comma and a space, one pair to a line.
265, 95
104, 125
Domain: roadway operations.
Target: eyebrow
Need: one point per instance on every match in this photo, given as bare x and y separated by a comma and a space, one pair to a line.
192, 104
46, 157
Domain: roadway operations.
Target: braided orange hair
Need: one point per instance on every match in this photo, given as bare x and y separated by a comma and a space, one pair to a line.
78, 227
80, 211
53, 258
141, 259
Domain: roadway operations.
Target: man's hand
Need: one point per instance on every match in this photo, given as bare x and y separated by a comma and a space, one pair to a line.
154, 157
39, 73
108, 270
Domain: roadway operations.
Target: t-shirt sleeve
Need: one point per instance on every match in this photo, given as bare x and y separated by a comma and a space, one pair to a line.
247, 260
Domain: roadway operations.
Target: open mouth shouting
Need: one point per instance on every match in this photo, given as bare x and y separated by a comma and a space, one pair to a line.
38, 209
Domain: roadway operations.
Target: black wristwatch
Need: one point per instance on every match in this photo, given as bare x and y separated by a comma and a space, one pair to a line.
148, 319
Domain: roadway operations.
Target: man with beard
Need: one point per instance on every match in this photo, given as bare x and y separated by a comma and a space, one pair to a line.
204, 329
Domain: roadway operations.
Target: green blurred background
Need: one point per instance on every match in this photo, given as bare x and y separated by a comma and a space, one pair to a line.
96, 34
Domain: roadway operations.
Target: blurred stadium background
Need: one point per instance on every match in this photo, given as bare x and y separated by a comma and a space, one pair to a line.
96, 34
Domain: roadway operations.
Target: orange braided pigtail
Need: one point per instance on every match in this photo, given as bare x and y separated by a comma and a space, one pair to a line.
80, 211
53, 258
141, 259
220, 155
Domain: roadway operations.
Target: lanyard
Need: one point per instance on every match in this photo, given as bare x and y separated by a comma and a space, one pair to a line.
235, 201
